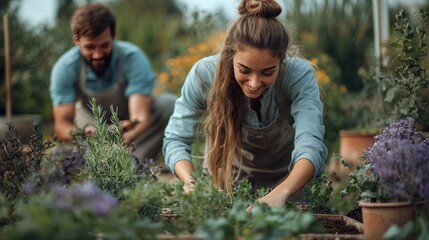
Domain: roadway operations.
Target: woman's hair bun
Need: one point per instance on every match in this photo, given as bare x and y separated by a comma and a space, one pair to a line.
259, 8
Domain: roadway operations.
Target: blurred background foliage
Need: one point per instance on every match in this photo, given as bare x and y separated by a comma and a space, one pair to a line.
336, 36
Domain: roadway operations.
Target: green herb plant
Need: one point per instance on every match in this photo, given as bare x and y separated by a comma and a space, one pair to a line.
109, 163
317, 193
204, 202
262, 223
361, 184
406, 89
415, 229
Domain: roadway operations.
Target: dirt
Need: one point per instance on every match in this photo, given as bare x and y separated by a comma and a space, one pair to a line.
334, 226
356, 214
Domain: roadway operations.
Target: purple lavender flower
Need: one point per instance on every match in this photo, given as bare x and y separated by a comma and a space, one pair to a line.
62, 198
84, 192
399, 159
83, 196
102, 204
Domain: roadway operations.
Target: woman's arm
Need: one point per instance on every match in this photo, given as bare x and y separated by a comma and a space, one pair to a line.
183, 170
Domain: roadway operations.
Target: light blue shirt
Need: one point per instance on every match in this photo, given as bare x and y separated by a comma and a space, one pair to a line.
299, 85
136, 69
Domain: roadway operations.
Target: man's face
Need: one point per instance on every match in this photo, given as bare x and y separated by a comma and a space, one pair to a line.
96, 51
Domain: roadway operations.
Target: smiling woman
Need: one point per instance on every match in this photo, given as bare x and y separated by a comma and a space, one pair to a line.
260, 109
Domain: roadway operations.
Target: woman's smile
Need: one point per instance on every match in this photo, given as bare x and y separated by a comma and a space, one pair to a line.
255, 70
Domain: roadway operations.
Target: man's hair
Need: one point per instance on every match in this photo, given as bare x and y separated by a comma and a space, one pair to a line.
92, 19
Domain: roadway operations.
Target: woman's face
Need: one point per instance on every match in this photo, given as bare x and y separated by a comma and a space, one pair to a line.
255, 70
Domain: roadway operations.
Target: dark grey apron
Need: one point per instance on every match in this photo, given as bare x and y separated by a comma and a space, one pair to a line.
266, 152
114, 95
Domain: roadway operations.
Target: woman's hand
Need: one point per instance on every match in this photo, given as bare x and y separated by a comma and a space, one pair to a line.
188, 187
183, 170
272, 199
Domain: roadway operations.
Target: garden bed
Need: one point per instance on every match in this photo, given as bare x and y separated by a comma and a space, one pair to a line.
337, 227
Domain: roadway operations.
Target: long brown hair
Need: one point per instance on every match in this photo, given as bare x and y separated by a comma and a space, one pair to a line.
256, 27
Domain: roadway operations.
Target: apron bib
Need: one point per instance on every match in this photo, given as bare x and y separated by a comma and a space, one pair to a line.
113, 96
266, 152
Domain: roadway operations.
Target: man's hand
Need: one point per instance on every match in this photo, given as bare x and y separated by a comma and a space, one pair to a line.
89, 131
131, 130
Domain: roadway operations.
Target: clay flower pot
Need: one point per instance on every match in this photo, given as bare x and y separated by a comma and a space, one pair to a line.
352, 146
379, 217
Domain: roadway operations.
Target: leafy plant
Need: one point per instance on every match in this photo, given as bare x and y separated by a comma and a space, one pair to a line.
262, 223
204, 202
146, 200
360, 182
417, 229
404, 89
318, 192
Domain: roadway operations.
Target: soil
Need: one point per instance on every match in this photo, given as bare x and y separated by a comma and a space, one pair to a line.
334, 226
356, 214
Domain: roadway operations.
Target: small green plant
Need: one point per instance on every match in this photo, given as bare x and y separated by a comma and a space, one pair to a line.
361, 184
415, 229
204, 202
262, 223
317, 193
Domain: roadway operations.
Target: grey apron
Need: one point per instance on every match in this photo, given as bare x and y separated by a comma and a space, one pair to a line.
149, 143
266, 152
114, 96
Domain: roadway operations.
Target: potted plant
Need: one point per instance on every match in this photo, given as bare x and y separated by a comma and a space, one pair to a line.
393, 183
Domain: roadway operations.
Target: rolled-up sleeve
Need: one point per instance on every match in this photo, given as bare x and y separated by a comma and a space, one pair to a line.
182, 127
307, 112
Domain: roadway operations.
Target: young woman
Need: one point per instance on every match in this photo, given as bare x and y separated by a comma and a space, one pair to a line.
260, 109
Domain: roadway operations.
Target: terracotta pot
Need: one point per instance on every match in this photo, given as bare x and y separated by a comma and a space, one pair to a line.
352, 146
23, 122
379, 217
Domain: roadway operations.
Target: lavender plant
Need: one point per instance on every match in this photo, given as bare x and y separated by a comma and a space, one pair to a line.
399, 161
81, 211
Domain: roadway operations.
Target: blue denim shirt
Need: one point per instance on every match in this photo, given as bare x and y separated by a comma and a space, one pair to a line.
137, 70
300, 86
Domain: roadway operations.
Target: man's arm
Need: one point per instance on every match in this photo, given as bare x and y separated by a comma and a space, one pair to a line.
139, 107
63, 120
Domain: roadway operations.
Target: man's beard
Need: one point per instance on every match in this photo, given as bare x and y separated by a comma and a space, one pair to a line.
100, 69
